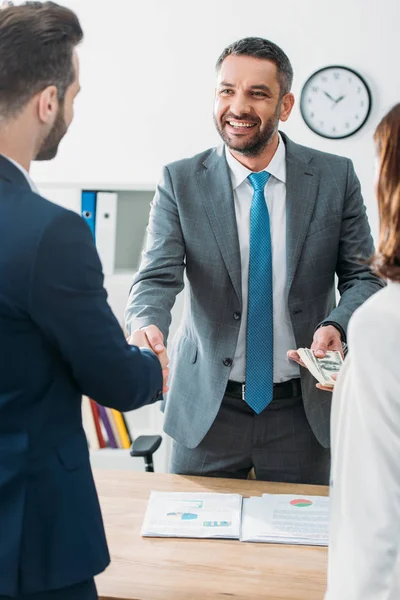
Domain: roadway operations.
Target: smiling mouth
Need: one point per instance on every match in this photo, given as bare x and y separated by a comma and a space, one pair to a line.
241, 125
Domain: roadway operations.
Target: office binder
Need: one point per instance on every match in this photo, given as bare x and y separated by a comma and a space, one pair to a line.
106, 229
121, 428
88, 205
89, 424
114, 428
96, 418
110, 435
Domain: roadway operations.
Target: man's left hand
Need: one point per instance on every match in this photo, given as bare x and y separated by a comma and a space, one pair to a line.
326, 339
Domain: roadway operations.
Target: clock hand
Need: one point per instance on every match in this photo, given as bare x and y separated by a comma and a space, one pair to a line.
339, 99
329, 96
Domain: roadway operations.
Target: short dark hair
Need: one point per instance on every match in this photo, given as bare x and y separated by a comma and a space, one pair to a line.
260, 48
37, 40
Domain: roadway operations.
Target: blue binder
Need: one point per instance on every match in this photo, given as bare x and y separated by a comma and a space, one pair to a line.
88, 205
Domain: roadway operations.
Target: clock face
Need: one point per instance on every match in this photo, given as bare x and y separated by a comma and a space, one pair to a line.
335, 102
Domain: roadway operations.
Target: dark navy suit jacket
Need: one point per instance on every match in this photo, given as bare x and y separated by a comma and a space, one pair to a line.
58, 340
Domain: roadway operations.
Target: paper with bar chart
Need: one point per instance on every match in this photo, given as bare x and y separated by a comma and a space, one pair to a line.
203, 515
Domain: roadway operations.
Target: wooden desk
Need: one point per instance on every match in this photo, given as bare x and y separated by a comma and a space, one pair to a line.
186, 569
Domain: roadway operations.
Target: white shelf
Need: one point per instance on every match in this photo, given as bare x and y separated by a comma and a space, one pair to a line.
115, 459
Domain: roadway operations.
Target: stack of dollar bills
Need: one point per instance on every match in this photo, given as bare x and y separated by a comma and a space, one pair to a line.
322, 368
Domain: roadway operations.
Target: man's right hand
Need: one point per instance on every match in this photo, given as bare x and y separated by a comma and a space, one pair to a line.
151, 337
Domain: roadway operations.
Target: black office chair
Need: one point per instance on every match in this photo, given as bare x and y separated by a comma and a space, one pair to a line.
145, 446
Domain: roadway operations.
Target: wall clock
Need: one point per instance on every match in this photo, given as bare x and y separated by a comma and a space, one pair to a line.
335, 102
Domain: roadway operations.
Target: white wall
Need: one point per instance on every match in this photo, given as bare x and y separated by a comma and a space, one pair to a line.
148, 78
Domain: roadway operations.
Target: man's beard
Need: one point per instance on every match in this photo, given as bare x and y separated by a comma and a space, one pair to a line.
258, 143
50, 145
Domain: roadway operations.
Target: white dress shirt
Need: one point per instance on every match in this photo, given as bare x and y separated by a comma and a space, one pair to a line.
364, 553
275, 193
25, 173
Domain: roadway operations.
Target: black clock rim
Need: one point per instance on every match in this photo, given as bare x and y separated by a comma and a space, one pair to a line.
338, 137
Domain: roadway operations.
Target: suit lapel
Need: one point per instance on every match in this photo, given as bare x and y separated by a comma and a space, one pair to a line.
217, 195
302, 181
301, 193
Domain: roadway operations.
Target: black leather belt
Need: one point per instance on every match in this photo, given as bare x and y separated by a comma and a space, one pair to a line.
286, 389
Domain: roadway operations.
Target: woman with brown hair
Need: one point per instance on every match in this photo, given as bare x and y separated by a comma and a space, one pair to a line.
364, 553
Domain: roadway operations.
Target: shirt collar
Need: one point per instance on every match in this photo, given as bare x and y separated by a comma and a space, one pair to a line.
24, 172
277, 166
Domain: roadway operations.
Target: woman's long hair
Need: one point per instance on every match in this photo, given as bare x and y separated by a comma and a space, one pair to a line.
386, 261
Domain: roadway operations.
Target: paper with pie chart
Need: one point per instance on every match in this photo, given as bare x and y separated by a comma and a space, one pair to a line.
286, 519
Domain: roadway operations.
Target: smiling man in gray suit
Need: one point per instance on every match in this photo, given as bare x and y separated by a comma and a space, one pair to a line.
261, 225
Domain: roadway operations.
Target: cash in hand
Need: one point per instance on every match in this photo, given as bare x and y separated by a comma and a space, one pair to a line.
322, 368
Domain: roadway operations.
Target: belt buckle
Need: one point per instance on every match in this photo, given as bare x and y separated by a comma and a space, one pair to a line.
243, 391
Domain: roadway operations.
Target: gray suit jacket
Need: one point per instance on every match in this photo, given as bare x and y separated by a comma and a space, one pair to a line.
193, 227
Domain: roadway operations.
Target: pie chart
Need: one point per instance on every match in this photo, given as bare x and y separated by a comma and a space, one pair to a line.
301, 502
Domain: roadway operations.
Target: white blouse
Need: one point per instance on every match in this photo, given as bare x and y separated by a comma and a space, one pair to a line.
364, 552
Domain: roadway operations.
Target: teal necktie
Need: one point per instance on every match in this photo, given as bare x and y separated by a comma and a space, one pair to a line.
260, 322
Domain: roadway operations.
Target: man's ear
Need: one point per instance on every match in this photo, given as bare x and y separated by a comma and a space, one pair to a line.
48, 105
287, 104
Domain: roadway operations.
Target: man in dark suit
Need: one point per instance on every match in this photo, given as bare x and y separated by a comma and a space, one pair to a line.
58, 336
260, 226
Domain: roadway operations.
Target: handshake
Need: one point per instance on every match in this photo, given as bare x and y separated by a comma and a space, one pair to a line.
151, 338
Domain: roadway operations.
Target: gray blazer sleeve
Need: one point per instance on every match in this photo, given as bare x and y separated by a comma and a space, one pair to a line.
160, 276
356, 282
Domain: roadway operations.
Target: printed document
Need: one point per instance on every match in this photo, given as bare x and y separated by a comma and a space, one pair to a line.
286, 519
203, 515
